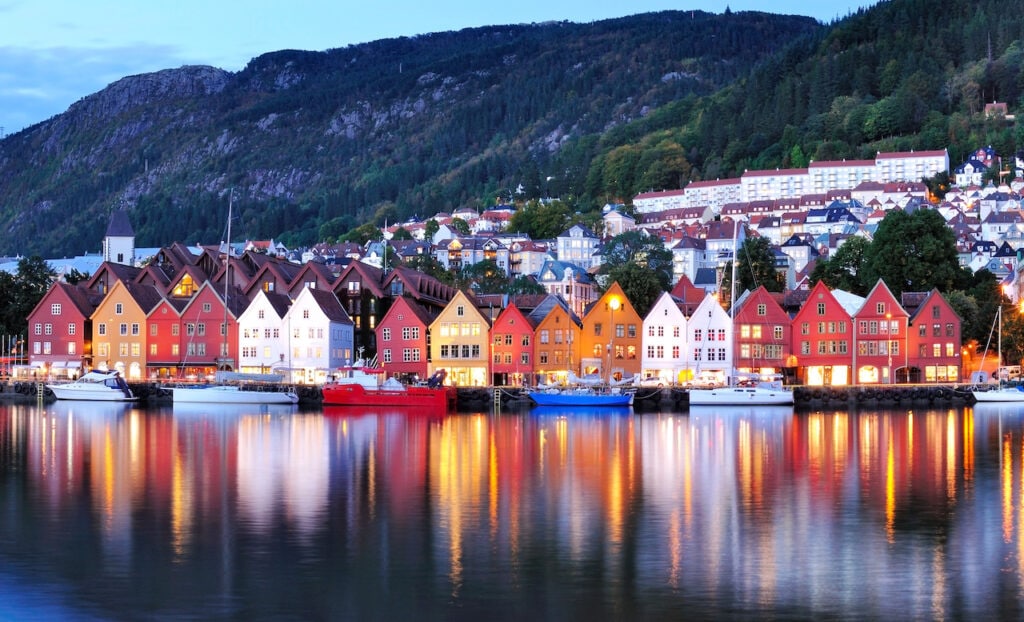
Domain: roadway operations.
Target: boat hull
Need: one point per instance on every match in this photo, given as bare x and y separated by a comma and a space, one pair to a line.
581, 399
999, 395
230, 395
735, 396
67, 392
431, 399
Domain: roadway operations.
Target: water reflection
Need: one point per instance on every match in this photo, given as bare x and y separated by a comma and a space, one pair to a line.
265, 512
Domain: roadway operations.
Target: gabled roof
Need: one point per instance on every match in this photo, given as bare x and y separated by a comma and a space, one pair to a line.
548, 305
330, 305
120, 272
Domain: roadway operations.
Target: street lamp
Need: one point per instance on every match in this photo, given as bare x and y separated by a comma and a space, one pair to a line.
613, 304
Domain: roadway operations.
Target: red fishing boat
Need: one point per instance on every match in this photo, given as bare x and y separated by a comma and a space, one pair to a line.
360, 385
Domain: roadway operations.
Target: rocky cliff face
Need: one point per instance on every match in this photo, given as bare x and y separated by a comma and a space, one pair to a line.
381, 130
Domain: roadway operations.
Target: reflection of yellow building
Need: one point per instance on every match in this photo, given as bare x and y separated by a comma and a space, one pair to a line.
610, 341
119, 328
459, 340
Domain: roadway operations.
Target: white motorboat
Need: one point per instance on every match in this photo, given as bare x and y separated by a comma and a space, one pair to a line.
100, 386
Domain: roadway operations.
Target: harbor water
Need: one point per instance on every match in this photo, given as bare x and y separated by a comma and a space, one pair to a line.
114, 511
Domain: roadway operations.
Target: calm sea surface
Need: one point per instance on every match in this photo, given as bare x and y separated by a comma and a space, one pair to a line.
117, 512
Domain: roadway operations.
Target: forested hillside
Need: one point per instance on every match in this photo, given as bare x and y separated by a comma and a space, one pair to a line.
904, 75
316, 143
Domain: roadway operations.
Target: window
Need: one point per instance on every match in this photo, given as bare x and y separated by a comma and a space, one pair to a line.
123, 329
175, 349
922, 330
136, 349
805, 328
880, 308
936, 330
936, 312
55, 308
526, 341
261, 314
48, 329
698, 335
38, 328
508, 340
386, 355
406, 333
949, 329
524, 358
119, 308
201, 329
101, 329
597, 329
385, 334
206, 307
72, 349
135, 328
777, 332
821, 308
152, 330
460, 310
762, 309
544, 335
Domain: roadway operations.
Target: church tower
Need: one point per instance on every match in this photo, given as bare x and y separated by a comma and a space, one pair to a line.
119, 243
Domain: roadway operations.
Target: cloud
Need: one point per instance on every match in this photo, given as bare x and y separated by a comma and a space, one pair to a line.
36, 84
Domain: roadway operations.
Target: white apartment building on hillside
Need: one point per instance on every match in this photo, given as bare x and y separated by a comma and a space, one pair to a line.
818, 178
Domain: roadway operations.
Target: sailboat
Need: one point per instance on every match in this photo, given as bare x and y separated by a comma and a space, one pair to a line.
222, 392
742, 388
1003, 393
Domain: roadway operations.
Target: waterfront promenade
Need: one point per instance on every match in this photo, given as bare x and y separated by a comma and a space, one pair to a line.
489, 398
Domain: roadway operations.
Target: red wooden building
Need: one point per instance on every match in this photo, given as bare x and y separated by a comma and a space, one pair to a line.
822, 334
512, 359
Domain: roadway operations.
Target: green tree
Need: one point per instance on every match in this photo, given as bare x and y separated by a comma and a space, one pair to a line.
459, 226
843, 269
524, 285
362, 234
641, 286
429, 229
74, 275
484, 277
645, 251
755, 266
541, 221
913, 252
401, 233
23, 292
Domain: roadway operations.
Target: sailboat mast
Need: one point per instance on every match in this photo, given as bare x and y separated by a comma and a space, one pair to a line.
227, 278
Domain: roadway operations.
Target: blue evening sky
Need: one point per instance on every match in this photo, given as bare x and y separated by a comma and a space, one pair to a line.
54, 52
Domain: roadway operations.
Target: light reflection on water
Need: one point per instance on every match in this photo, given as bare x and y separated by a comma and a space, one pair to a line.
270, 512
